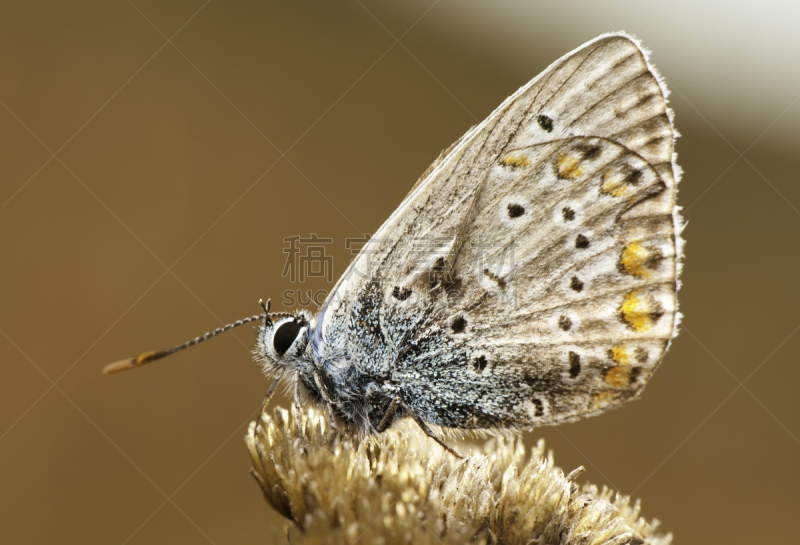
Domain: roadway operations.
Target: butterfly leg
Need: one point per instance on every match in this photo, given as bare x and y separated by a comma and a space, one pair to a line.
268, 395
318, 380
386, 421
297, 407
270, 391
322, 386
421, 423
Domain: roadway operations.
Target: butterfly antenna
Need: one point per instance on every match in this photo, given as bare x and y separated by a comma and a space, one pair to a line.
147, 357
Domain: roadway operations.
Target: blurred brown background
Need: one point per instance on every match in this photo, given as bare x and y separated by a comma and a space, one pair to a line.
153, 155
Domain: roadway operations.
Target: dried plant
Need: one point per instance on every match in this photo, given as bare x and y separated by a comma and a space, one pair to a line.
399, 487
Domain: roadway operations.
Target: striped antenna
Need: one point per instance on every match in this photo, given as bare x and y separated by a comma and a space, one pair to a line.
147, 357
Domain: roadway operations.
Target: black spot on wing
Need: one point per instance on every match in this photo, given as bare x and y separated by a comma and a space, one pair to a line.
459, 324
500, 282
576, 284
574, 364
539, 407
581, 242
545, 122
589, 151
515, 210
401, 294
631, 175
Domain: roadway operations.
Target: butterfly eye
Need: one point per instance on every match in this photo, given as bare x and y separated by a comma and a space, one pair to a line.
285, 336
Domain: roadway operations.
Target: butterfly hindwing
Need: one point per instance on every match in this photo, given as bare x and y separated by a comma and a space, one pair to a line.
560, 311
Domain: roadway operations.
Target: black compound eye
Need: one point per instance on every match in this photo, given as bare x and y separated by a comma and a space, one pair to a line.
285, 336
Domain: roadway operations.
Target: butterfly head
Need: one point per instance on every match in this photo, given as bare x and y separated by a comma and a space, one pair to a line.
282, 341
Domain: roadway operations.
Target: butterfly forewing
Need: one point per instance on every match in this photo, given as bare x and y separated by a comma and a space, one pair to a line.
531, 276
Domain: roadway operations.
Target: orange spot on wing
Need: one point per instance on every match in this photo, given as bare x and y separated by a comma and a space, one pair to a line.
619, 355
613, 184
603, 398
618, 376
569, 167
515, 161
634, 258
637, 312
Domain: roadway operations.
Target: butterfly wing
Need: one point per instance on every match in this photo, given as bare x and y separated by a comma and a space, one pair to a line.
531, 276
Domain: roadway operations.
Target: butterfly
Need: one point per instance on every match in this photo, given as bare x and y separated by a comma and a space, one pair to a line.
529, 277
